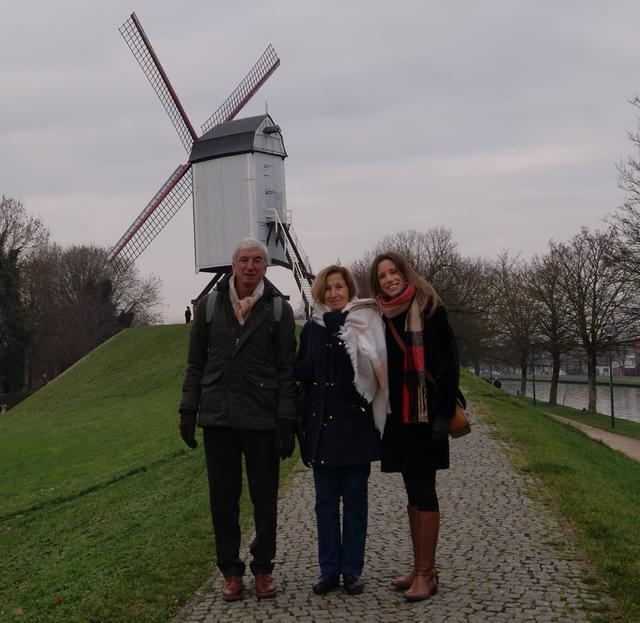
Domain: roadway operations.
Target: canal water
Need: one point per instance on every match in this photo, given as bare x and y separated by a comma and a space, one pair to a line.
626, 400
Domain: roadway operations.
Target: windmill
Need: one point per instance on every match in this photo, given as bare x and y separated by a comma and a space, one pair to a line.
224, 139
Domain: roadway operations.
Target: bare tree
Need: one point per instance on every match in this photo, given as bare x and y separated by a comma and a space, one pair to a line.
19, 232
598, 293
516, 314
75, 301
469, 299
432, 254
544, 281
626, 221
20, 235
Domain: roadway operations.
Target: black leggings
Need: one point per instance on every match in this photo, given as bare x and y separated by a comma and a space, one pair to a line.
421, 490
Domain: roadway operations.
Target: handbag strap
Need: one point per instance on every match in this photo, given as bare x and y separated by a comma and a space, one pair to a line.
403, 347
394, 332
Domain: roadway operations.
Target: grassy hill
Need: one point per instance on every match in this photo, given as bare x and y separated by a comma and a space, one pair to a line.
103, 510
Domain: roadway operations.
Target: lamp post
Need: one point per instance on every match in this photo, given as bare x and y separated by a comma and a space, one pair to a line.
533, 372
610, 332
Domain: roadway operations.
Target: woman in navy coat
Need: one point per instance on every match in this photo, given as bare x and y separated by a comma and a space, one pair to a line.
339, 435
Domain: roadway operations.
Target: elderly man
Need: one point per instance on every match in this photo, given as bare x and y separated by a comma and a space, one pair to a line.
239, 385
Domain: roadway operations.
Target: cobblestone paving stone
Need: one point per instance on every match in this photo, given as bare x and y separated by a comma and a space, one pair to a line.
502, 556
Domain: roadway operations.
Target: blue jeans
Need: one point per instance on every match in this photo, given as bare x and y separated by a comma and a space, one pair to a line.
341, 551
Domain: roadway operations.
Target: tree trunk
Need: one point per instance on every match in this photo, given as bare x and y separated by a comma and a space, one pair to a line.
591, 375
555, 374
523, 376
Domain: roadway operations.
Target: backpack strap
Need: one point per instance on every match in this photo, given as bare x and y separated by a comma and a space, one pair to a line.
277, 308
211, 303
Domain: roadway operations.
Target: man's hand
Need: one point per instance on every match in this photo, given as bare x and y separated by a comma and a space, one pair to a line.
284, 438
188, 429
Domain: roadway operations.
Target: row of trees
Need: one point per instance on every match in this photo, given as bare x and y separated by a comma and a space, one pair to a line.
580, 298
57, 304
576, 300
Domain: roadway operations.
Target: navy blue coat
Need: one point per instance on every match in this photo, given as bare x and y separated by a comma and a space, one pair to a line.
336, 422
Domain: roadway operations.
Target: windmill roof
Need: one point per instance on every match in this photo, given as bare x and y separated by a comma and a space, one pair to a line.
227, 139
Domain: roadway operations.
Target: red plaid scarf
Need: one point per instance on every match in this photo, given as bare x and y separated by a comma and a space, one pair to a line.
414, 396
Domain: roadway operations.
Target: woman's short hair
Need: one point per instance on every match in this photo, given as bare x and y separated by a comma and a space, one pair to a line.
320, 282
251, 243
428, 292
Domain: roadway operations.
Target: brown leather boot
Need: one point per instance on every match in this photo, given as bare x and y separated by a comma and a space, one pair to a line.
265, 586
404, 582
233, 588
425, 582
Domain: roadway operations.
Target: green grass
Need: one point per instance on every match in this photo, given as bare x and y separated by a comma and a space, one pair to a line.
623, 427
595, 489
106, 515
11, 400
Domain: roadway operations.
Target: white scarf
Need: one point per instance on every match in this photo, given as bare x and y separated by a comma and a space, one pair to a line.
363, 335
242, 308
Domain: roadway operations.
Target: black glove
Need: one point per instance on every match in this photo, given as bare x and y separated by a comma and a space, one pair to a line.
300, 434
188, 429
284, 441
333, 320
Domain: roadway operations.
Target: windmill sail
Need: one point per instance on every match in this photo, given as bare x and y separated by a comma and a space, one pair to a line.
258, 75
150, 222
138, 42
178, 188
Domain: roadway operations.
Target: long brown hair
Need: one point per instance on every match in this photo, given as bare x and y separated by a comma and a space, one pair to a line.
431, 300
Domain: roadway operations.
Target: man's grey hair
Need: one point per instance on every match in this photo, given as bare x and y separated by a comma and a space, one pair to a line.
251, 243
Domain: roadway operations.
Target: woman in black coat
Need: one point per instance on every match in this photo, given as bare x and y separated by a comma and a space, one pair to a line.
340, 438
423, 384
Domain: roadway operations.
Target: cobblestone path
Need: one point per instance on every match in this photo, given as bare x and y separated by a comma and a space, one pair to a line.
502, 556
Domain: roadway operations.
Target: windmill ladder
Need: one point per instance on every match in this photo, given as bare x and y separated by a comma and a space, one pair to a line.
299, 262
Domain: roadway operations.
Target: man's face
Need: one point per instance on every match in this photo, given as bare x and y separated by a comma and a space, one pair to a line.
249, 267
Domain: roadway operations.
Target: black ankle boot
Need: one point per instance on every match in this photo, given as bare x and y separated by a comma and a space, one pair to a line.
353, 584
326, 583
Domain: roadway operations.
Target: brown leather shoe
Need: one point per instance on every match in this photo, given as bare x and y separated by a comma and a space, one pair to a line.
232, 589
265, 586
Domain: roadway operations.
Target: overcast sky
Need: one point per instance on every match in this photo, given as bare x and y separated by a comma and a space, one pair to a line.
502, 121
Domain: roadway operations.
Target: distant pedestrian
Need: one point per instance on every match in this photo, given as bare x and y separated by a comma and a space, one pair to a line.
497, 383
187, 315
3, 408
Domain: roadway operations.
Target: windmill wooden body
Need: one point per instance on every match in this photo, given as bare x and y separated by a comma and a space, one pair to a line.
235, 173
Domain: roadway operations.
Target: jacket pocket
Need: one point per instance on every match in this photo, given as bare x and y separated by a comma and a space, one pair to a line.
261, 382
209, 379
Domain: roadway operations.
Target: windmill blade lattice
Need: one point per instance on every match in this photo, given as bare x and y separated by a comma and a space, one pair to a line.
150, 222
139, 44
259, 73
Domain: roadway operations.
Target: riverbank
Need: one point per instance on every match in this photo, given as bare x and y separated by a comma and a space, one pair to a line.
623, 427
621, 381
592, 487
